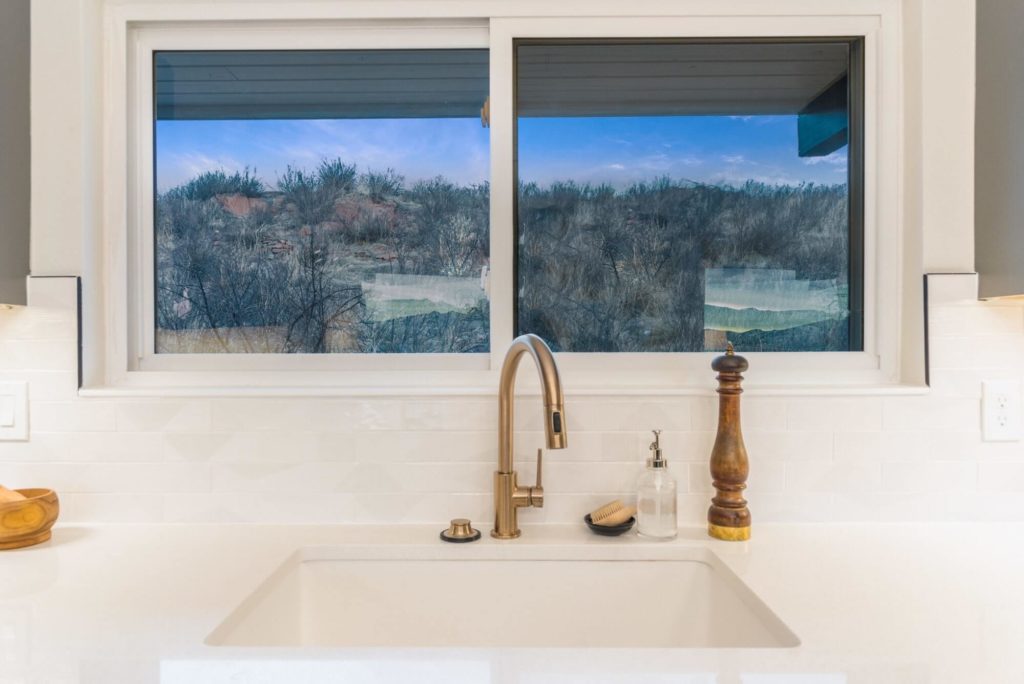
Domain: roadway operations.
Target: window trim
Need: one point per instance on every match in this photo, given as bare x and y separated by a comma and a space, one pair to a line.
855, 156
141, 239
878, 363
887, 361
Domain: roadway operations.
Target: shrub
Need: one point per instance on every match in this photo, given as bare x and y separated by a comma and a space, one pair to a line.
382, 185
313, 202
337, 177
212, 183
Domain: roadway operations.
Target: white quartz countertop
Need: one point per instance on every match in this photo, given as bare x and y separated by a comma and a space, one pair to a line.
874, 604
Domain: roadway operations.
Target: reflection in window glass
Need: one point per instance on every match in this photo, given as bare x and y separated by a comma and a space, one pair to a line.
675, 195
321, 201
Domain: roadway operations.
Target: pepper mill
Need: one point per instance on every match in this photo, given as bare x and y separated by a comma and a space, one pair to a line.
729, 517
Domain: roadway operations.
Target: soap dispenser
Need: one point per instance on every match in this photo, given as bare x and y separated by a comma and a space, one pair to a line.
656, 496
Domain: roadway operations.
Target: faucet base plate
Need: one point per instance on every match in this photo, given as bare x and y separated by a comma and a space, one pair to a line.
514, 535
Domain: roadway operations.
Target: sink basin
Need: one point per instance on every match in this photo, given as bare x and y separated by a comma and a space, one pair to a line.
490, 596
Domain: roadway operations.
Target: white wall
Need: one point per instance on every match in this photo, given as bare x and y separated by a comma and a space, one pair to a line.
421, 460
428, 460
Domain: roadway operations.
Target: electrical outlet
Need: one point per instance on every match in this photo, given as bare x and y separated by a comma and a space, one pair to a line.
13, 411
1000, 410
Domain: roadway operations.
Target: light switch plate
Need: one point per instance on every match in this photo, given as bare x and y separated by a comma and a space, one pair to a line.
1000, 410
13, 411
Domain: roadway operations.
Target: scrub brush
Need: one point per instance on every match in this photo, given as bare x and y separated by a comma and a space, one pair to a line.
611, 514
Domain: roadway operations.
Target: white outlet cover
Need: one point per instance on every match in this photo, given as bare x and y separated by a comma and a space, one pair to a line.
1001, 410
13, 411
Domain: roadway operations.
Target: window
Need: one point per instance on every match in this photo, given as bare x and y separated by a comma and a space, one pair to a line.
676, 194
321, 201
385, 203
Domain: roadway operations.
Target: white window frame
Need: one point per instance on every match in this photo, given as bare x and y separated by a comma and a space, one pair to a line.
135, 31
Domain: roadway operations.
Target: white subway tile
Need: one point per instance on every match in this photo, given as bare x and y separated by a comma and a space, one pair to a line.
110, 478
58, 292
417, 478
997, 451
72, 416
958, 382
692, 509
438, 509
990, 318
889, 446
419, 445
48, 385
765, 414
834, 476
201, 446
823, 413
929, 476
1002, 353
789, 445
38, 355
605, 416
142, 478
163, 416
790, 507
97, 447
985, 507
110, 508
313, 477
595, 477
11, 452
952, 446
888, 507
1001, 476
448, 414
21, 323
765, 476
257, 507
930, 413
952, 288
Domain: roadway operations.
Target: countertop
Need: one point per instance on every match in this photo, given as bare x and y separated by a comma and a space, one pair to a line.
874, 604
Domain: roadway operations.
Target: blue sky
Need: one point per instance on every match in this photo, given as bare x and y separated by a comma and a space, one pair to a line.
614, 150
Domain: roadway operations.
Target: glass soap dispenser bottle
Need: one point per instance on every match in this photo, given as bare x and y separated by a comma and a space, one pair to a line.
656, 497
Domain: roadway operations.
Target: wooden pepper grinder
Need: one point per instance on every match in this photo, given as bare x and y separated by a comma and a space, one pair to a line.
729, 517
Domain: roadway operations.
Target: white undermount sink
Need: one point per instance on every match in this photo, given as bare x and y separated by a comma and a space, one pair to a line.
503, 595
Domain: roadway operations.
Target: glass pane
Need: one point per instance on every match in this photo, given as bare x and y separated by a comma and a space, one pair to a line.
321, 201
676, 195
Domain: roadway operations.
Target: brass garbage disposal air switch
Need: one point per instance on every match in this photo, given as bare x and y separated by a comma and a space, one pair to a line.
460, 531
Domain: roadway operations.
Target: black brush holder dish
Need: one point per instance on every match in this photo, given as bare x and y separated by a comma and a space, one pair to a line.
609, 530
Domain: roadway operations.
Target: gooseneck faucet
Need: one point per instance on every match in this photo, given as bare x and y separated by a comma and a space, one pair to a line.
508, 495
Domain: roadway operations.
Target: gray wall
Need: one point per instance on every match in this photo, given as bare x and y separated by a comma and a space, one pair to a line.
999, 148
14, 149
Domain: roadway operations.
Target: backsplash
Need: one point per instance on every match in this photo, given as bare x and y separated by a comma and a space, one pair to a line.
391, 460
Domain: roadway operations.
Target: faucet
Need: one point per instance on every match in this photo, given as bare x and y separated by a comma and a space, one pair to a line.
508, 495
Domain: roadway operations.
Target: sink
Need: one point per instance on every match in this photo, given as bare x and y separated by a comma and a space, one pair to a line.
489, 596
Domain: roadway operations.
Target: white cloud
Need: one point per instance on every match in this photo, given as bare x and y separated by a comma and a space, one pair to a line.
836, 158
734, 159
181, 167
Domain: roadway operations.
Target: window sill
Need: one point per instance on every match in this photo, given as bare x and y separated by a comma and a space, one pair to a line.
529, 388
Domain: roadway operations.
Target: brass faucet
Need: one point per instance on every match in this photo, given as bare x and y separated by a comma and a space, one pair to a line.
508, 495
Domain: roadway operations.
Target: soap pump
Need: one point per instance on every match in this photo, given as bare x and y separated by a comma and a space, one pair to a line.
656, 496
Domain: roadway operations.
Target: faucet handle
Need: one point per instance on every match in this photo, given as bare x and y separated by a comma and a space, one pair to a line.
537, 491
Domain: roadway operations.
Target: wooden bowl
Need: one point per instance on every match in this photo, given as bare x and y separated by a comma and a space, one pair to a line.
28, 522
